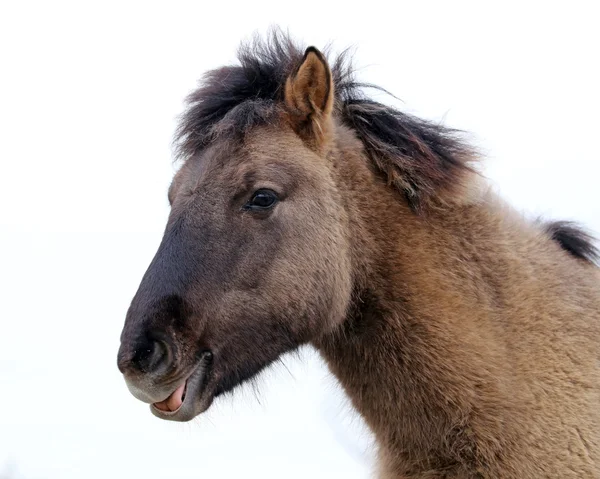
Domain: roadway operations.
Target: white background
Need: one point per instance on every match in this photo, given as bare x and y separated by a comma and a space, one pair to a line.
89, 92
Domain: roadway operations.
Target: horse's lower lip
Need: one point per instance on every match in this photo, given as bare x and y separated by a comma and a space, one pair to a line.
193, 399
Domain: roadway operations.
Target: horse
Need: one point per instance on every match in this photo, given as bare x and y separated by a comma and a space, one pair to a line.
304, 212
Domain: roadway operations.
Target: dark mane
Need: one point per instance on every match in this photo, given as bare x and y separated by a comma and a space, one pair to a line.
419, 157
573, 239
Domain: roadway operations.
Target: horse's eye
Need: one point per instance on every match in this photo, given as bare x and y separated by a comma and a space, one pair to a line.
262, 200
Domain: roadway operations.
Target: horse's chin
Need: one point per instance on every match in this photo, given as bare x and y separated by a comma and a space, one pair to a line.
190, 398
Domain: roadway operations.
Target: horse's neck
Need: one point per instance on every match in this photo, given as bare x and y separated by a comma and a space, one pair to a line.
419, 354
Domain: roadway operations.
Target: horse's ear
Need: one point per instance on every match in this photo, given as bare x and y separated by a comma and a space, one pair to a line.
309, 96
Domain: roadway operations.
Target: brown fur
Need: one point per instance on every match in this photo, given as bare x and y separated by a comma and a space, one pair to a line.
465, 336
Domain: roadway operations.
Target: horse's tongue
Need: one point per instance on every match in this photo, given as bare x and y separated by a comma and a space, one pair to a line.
173, 402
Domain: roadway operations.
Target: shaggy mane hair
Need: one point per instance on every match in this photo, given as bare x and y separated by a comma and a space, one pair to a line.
573, 239
418, 157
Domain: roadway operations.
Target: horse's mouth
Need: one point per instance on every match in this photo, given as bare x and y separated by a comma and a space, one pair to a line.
174, 402
189, 399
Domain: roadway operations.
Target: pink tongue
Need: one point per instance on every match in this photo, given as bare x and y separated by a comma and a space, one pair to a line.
173, 402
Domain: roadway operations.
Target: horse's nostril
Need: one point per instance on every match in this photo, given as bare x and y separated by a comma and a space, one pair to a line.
150, 356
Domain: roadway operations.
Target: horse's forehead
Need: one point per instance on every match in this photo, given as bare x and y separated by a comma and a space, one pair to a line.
220, 156
261, 148
264, 152
269, 141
